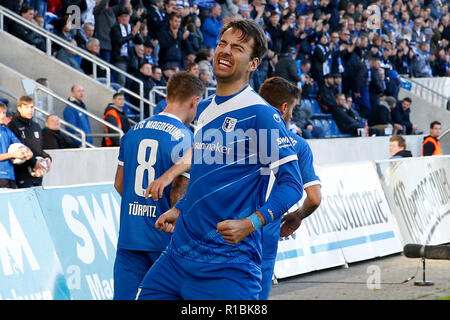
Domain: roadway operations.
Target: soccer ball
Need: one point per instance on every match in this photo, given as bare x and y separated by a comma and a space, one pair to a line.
39, 172
14, 147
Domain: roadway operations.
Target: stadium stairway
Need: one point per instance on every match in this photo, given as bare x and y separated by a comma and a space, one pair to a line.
34, 64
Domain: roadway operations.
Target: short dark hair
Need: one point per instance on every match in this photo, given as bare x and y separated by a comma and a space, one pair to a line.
115, 95
408, 99
25, 9
277, 90
3, 106
184, 85
434, 123
24, 100
250, 30
400, 140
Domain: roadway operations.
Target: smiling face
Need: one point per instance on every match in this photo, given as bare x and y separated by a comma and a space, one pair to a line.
232, 59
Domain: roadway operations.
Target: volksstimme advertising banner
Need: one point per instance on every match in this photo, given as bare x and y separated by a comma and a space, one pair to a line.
353, 223
418, 192
83, 222
30, 268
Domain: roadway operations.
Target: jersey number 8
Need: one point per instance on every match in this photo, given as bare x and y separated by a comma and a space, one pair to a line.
145, 165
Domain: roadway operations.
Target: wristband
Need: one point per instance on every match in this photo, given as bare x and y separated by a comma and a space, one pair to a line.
256, 221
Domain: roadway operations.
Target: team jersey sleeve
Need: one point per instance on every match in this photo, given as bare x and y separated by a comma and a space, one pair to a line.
305, 162
121, 157
282, 159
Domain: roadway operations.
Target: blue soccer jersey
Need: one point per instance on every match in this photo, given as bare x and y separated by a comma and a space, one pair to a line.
7, 138
147, 150
271, 233
238, 141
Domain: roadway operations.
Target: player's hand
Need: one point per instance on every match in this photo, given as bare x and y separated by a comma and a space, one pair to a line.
289, 223
166, 222
156, 188
234, 231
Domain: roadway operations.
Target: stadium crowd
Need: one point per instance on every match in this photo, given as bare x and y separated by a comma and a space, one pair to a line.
347, 56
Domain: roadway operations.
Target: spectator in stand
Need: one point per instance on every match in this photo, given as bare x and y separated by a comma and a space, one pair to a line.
155, 17
327, 97
320, 59
172, 42
420, 65
440, 63
123, 36
29, 173
69, 57
195, 33
393, 84
273, 29
63, 29
204, 60
380, 116
375, 84
431, 145
52, 137
345, 118
306, 81
211, 26
76, 117
157, 76
397, 148
287, 67
192, 67
136, 57
206, 77
401, 118
149, 52
83, 35
145, 75
7, 137
115, 115
93, 47
105, 18
25, 33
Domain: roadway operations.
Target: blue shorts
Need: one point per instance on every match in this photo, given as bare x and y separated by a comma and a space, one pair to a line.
130, 268
267, 267
174, 278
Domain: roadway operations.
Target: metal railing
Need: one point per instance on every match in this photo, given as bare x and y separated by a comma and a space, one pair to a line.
90, 115
141, 99
50, 37
427, 93
444, 134
82, 134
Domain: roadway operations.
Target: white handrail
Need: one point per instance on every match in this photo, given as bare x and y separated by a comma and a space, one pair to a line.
73, 105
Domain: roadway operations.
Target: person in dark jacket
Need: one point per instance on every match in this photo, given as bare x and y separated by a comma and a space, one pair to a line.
380, 116
345, 117
29, 174
115, 115
105, 18
397, 148
320, 65
172, 41
52, 137
155, 17
145, 75
401, 117
286, 66
25, 33
123, 35
376, 88
326, 96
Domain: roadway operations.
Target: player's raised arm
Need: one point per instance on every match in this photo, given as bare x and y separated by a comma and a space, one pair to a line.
118, 181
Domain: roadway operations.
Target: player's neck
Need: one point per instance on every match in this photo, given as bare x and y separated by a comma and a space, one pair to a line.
224, 88
176, 111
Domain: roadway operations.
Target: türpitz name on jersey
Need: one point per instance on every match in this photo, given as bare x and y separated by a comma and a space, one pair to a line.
142, 210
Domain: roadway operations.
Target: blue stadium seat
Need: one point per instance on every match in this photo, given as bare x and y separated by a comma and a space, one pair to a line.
306, 104
315, 107
334, 130
325, 124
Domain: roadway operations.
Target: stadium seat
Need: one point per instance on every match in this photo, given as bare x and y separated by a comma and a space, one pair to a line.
306, 104
315, 107
334, 130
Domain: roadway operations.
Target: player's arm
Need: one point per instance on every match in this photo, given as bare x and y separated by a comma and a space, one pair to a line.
156, 188
292, 221
288, 192
118, 181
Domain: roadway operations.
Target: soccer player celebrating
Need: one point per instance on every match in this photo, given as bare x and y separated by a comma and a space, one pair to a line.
215, 251
147, 150
284, 96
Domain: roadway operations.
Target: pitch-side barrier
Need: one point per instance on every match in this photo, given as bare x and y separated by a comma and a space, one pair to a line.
60, 242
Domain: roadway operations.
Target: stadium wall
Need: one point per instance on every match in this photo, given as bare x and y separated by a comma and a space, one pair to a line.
59, 242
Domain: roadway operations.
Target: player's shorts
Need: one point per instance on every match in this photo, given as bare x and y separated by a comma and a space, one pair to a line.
130, 268
267, 267
174, 278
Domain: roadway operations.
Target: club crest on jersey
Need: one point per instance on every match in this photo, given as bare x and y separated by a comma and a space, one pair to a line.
229, 124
